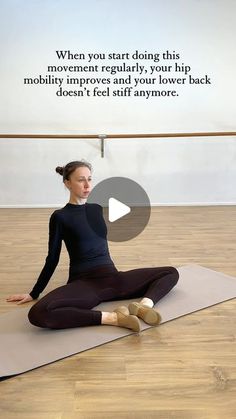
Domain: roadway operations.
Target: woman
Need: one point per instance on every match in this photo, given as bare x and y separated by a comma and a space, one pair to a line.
93, 277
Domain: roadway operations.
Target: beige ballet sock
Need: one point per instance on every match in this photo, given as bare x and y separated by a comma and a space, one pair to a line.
147, 314
122, 309
125, 319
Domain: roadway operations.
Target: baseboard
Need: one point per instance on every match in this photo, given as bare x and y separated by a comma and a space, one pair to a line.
153, 204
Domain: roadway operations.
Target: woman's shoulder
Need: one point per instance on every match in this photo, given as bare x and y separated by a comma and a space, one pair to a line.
57, 214
94, 207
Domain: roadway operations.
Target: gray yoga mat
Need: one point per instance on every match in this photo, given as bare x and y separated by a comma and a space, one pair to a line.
24, 347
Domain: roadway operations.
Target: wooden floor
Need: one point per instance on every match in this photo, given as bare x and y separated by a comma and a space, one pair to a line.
183, 369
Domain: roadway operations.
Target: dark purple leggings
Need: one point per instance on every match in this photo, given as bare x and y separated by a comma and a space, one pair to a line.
71, 305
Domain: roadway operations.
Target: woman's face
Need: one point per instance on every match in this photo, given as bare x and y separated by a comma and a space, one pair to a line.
80, 182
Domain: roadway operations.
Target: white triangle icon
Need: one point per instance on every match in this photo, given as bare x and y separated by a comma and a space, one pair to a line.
116, 209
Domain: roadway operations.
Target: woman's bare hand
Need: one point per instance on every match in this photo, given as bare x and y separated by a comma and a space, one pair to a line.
22, 298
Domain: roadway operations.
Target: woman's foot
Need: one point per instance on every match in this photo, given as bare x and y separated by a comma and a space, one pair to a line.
147, 314
125, 319
122, 309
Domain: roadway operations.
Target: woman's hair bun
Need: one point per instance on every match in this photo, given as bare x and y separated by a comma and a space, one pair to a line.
69, 168
59, 169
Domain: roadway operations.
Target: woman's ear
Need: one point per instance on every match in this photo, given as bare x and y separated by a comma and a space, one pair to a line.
66, 183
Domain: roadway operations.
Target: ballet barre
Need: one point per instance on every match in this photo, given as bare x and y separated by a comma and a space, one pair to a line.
103, 137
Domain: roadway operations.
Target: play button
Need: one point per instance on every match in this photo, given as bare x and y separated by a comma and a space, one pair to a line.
116, 209
125, 206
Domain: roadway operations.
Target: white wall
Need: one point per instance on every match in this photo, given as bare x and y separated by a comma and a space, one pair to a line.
173, 171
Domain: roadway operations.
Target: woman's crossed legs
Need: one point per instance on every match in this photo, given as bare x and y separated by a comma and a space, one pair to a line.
71, 305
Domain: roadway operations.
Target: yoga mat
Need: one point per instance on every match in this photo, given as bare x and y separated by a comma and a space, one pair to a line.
24, 347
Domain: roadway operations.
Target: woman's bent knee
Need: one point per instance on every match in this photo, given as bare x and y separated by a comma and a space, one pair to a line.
175, 275
37, 316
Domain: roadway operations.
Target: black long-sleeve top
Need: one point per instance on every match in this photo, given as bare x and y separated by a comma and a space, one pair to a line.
86, 248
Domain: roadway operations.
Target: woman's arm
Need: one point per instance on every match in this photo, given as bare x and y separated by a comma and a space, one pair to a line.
52, 259
54, 250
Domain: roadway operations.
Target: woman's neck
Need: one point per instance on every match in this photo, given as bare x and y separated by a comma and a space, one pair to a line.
77, 201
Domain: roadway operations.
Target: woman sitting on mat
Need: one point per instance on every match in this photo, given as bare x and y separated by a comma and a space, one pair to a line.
93, 277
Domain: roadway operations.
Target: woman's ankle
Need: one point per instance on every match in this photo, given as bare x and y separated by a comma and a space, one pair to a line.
147, 302
109, 318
